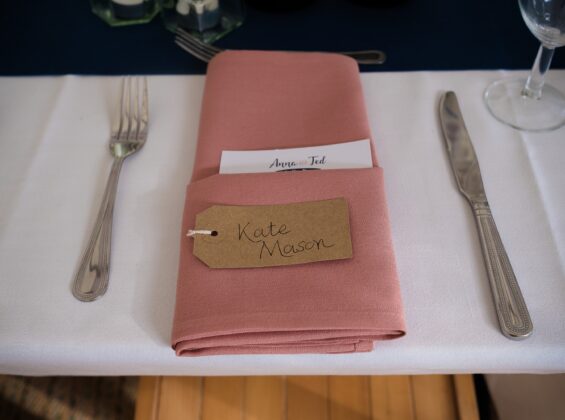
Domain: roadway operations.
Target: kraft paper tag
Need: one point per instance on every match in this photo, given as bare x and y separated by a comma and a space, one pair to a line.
273, 235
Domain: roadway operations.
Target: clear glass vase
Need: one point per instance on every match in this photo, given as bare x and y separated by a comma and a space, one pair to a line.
125, 12
208, 20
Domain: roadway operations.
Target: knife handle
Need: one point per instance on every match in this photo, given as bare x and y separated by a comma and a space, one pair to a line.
513, 316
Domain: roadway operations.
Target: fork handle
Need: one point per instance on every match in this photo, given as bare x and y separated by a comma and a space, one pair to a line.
91, 279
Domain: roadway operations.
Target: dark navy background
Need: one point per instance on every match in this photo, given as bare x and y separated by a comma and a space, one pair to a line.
40, 37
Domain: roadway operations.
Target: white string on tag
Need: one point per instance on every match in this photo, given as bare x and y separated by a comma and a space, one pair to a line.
193, 232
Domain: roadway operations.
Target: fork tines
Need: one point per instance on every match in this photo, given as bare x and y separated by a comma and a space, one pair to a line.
195, 46
132, 115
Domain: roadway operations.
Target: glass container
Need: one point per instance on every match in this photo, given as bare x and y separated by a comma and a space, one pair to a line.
208, 20
125, 12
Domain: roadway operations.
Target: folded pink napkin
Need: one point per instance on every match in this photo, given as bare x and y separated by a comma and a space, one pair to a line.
270, 100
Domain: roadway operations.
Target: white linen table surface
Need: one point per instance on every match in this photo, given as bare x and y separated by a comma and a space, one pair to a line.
54, 163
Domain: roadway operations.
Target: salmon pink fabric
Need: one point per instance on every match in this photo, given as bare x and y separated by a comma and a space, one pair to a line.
270, 100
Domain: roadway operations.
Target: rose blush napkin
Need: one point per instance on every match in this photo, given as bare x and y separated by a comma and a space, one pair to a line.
270, 100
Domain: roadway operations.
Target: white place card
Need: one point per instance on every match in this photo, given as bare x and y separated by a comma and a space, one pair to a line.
350, 155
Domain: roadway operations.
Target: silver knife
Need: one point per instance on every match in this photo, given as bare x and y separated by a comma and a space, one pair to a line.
513, 316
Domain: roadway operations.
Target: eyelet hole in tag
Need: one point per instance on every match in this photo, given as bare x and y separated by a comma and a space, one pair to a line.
272, 235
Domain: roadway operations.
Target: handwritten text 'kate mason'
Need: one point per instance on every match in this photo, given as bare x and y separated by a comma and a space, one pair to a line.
270, 240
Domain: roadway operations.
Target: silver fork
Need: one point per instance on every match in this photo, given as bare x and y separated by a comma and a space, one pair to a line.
128, 135
206, 52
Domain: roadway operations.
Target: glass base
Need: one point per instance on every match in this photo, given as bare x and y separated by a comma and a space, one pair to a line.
115, 14
506, 103
209, 35
209, 26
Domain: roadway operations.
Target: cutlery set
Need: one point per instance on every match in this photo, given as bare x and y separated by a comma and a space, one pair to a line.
129, 133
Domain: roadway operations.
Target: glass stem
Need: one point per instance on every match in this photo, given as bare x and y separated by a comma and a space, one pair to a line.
535, 82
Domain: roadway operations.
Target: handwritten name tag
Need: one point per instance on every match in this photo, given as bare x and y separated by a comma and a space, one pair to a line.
266, 236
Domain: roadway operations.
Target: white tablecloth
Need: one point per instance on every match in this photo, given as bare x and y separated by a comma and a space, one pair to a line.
54, 163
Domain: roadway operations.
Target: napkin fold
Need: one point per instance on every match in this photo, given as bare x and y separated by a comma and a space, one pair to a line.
268, 100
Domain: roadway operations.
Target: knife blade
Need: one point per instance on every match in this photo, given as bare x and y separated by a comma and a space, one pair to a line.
513, 315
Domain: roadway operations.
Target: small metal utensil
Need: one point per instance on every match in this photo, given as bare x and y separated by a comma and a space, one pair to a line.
128, 135
513, 315
206, 52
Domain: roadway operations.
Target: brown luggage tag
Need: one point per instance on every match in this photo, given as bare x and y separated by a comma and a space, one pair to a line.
272, 235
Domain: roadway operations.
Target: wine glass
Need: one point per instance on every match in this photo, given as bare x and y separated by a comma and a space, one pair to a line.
530, 104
